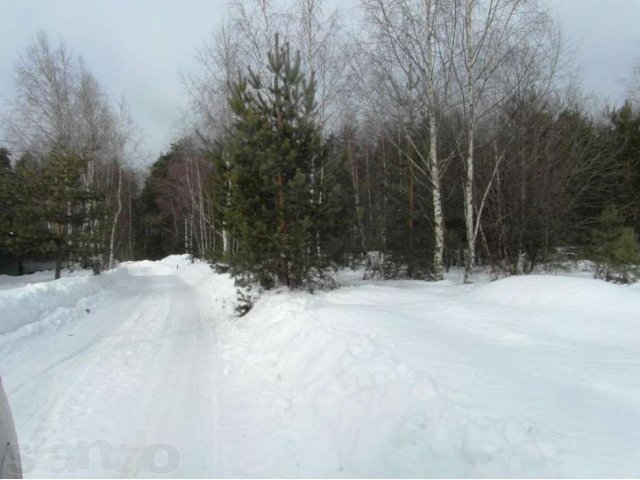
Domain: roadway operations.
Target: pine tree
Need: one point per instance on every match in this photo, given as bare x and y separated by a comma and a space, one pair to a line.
157, 237
7, 202
277, 215
24, 233
70, 211
614, 248
334, 211
626, 138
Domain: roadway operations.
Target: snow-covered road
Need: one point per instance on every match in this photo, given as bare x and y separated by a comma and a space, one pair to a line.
143, 371
128, 388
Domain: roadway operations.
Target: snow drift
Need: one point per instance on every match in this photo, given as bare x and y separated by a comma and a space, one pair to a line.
532, 376
26, 305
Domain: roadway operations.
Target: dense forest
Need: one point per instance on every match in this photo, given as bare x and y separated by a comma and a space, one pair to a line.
408, 136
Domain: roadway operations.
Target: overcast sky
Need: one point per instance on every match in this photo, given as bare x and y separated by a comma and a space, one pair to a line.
137, 48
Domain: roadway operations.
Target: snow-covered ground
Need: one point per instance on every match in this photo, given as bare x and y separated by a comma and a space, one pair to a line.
143, 371
10, 281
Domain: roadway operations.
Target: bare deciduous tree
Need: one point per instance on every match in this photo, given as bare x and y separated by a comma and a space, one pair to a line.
405, 56
482, 36
60, 106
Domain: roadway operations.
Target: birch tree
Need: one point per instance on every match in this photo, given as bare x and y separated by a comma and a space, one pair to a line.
481, 38
408, 32
60, 110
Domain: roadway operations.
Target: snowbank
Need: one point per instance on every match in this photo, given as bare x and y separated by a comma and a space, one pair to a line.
11, 281
551, 291
26, 305
28, 299
344, 404
576, 308
217, 291
521, 377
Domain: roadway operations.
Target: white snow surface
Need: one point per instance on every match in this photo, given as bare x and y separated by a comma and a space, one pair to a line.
10, 281
144, 371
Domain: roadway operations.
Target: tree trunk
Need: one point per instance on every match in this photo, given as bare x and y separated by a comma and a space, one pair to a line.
115, 220
59, 230
468, 186
434, 166
280, 203
438, 253
383, 230
468, 210
410, 198
226, 238
355, 181
186, 236
58, 267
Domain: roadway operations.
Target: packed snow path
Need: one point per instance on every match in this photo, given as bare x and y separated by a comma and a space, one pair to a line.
132, 380
143, 371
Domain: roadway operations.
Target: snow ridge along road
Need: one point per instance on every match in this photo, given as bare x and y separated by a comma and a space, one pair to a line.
144, 372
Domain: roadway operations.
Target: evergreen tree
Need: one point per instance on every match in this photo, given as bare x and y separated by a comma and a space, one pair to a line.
333, 207
169, 206
277, 215
157, 237
5, 159
70, 212
46, 212
614, 248
626, 139
24, 233
7, 199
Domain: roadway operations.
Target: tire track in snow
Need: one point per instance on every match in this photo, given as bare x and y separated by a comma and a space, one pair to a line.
91, 383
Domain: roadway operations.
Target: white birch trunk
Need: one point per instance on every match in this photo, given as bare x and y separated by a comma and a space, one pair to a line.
469, 160
438, 265
434, 164
226, 238
115, 221
186, 236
